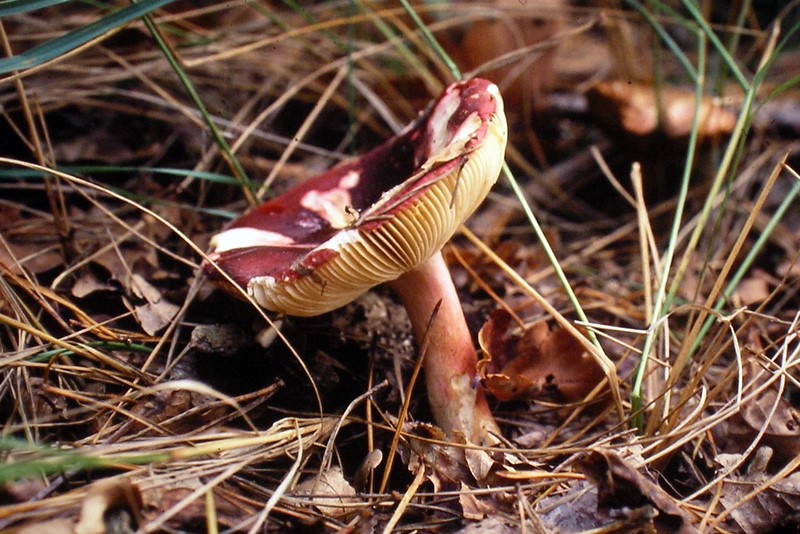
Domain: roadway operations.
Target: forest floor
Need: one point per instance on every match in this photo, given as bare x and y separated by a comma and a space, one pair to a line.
631, 284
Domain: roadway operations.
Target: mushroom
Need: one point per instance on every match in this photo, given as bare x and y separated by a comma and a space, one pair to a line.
384, 217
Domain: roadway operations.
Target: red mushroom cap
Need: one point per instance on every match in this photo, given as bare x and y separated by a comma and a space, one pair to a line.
371, 219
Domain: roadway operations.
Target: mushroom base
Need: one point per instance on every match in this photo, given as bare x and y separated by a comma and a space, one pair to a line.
457, 403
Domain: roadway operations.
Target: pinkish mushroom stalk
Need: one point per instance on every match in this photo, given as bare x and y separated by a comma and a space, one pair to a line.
450, 360
384, 217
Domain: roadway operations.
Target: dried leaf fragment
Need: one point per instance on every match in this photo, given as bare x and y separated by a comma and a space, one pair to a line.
367, 467
330, 492
537, 362
154, 317
778, 419
753, 289
621, 486
88, 283
771, 507
769, 417
157, 312
20, 257
445, 466
471, 507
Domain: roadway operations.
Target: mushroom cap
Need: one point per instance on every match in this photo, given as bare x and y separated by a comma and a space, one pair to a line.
369, 220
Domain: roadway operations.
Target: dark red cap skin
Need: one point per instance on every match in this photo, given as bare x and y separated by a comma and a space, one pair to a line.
374, 173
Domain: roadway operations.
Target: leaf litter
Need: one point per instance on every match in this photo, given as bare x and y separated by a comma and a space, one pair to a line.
120, 376
535, 363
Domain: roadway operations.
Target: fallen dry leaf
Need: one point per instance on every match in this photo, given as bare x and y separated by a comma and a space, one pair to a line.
330, 492
445, 466
153, 317
536, 362
120, 264
754, 289
88, 283
781, 427
473, 508
768, 508
769, 412
480, 463
34, 258
157, 312
571, 510
621, 487
143, 289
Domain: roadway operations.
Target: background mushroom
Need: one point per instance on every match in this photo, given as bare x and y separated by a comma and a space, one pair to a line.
384, 217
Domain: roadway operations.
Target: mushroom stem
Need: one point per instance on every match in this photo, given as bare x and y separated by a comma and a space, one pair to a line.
455, 400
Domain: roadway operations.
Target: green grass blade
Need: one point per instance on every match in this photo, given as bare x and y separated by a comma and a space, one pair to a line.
744, 268
25, 174
48, 355
663, 299
415, 63
712, 37
669, 42
14, 7
233, 163
37, 460
431, 41
91, 170
66, 43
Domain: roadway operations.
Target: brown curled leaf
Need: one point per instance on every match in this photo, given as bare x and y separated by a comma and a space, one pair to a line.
535, 362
